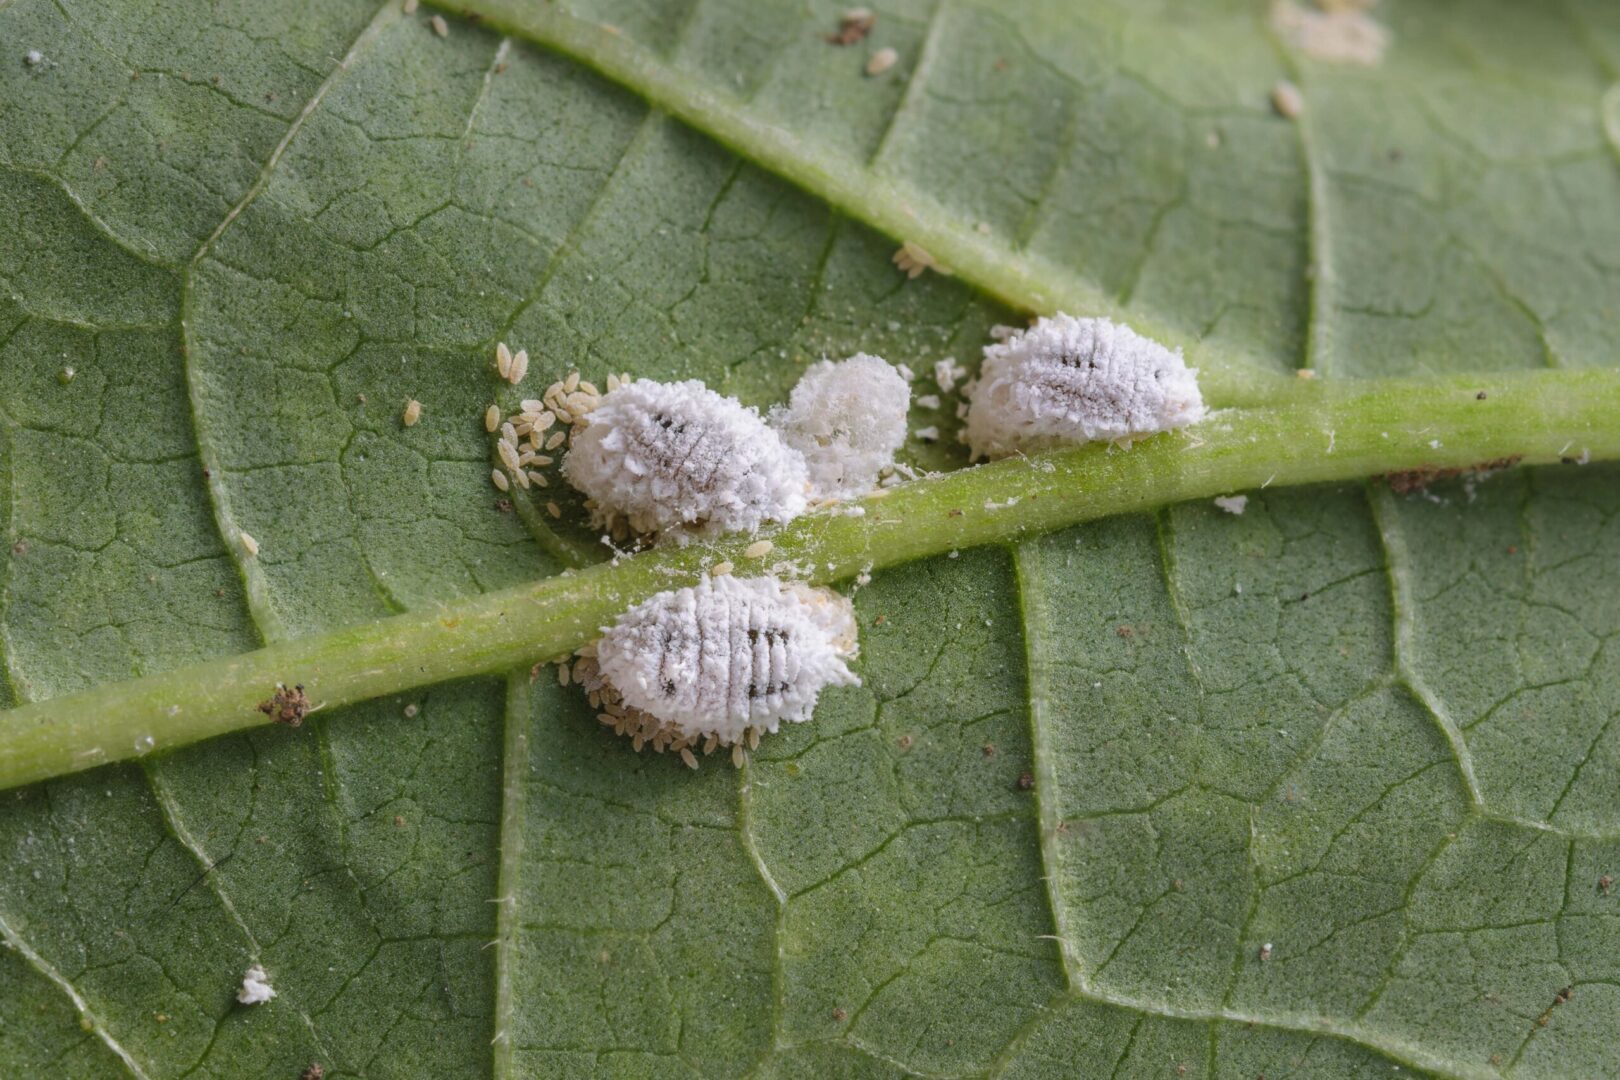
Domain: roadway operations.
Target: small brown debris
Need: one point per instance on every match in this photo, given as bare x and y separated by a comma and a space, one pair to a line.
988, 749
504, 505
905, 742
286, 706
1026, 781
1606, 884
1481, 396
840, 1014
316, 1070
853, 26
399, 821
881, 61
1125, 632
1419, 479
440, 27
19, 548
953, 513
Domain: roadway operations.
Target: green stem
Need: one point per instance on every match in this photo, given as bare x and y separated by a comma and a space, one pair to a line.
1339, 433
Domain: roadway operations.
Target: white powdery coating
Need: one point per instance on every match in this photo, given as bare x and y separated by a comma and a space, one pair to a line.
679, 456
729, 654
1069, 380
256, 988
847, 419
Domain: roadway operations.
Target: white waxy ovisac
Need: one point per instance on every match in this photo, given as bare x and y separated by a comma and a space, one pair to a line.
847, 418
730, 654
678, 456
1069, 380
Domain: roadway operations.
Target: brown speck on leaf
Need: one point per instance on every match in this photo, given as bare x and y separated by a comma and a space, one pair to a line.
1481, 396
19, 548
1026, 781
1419, 479
1606, 884
853, 26
989, 750
905, 742
316, 1071
399, 821
839, 1014
1125, 632
953, 513
880, 620
1178, 885
1181, 1070
1513, 549
286, 706
504, 505
1496, 1059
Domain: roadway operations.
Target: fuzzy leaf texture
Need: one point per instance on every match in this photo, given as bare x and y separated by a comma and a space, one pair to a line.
1326, 789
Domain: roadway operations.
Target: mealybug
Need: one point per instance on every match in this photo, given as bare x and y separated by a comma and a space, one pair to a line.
847, 419
721, 661
1069, 380
678, 456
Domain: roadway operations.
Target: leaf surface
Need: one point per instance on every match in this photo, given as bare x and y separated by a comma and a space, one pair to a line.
1366, 736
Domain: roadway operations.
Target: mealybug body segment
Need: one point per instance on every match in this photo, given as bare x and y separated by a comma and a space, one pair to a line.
1069, 380
730, 654
847, 419
667, 456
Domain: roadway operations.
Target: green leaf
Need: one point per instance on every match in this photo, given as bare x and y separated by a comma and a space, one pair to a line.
1322, 789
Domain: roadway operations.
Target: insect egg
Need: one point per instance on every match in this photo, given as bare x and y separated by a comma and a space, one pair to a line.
730, 655
668, 456
1069, 380
847, 419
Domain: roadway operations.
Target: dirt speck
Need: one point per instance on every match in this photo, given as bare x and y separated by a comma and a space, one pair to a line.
315, 1071
840, 1014
1026, 781
853, 26
1606, 884
286, 706
1419, 479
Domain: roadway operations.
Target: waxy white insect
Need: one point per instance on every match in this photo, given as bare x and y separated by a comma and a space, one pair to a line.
729, 657
678, 457
847, 418
1069, 380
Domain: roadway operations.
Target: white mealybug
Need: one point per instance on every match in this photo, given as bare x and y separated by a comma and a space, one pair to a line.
679, 457
729, 657
847, 419
1069, 380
